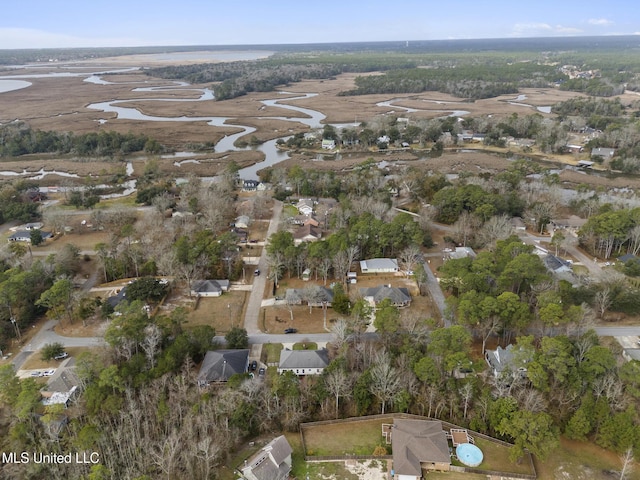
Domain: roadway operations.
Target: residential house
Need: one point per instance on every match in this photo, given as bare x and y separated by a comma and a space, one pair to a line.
220, 365
114, 300
33, 226
305, 206
209, 288
459, 252
271, 462
418, 445
263, 186
63, 386
241, 234
504, 360
25, 235
314, 297
572, 223
518, 224
250, 185
399, 297
628, 257
306, 233
379, 265
604, 153
328, 144
306, 275
311, 221
303, 362
574, 148
556, 264
243, 221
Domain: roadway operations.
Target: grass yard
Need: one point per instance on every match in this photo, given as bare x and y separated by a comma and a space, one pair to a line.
453, 476
305, 346
222, 313
356, 438
300, 469
581, 461
271, 352
35, 361
496, 457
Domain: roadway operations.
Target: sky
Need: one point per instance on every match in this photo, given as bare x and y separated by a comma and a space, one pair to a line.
117, 23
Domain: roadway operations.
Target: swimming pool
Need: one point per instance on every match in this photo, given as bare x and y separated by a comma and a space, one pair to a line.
469, 454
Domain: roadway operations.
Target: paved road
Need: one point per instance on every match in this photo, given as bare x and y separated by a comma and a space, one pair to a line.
252, 314
47, 335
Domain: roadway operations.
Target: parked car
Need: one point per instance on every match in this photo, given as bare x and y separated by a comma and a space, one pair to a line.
261, 372
254, 365
37, 373
61, 356
48, 373
257, 273
290, 330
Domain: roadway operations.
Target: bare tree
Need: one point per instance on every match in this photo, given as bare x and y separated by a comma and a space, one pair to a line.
466, 392
409, 257
602, 300
151, 343
385, 381
338, 383
627, 463
496, 228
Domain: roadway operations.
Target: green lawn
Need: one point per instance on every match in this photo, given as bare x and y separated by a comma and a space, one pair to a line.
271, 352
496, 457
355, 438
305, 346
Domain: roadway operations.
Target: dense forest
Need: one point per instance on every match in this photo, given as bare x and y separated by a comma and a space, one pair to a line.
468, 69
18, 138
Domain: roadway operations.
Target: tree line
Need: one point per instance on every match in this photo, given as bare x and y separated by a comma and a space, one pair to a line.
18, 138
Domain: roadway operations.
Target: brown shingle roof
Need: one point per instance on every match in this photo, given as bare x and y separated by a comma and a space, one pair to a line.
418, 441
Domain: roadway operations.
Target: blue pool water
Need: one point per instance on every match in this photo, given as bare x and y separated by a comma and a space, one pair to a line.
469, 454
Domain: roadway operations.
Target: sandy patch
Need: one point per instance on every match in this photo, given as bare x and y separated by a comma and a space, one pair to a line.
368, 470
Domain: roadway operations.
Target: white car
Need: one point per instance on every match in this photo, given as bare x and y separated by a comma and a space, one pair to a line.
48, 373
37, 373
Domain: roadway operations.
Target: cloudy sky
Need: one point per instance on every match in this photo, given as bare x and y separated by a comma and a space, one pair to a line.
95, 23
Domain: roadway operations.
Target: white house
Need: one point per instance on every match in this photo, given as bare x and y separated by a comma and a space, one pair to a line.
209, 288
305, 206
242, 221
271, 462
460, 252
303, 362
328, 144
379, 265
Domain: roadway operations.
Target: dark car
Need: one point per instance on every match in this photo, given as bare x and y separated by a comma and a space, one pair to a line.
257, 273
261, 372
290, 330
254, 365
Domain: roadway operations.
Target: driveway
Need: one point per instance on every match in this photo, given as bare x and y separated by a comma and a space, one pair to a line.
252, 315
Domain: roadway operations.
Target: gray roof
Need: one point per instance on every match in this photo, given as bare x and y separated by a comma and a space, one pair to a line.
303, 359
118, 298
627, 257
398, 296
200, 286
63, 380
269, 462
379, 264
500, 358
298, 295
554, 263
415, 442
220, 365
26, 234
